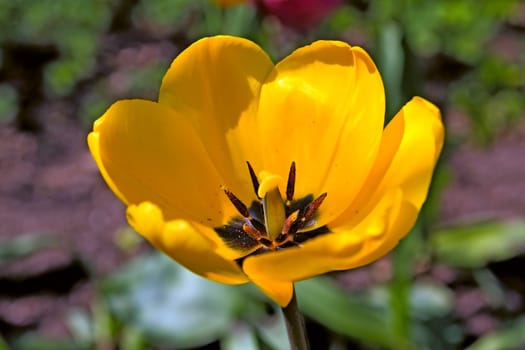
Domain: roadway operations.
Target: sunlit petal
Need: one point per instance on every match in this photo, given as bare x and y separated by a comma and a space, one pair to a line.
323, 108
320, 255
148, 152
215, 84
416, 134
410, 146
383, 213
151, 153
248, 171
278, 290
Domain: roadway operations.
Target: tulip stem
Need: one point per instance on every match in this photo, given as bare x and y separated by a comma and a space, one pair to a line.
295, 326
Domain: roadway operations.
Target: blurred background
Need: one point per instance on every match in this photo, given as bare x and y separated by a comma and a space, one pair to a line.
73, 275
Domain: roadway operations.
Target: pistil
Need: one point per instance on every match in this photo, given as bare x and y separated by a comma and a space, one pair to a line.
274, 212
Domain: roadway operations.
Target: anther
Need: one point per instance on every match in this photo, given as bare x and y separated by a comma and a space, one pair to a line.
289, 221
269, 224
283, 238
290, 186
241, 208
255, 181
312, 207
258, 225
252, 231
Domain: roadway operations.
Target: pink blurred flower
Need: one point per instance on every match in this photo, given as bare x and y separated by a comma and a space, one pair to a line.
300, 14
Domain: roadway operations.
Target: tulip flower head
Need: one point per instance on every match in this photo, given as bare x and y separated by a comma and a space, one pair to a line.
250, 171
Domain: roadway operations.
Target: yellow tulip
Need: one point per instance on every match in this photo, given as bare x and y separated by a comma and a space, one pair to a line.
246, 171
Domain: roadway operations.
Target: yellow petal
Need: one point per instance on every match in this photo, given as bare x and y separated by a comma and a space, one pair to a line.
148, 152
323, 107
410, 147
277, 290
384, 211
152, 153
184, 243
94, 147
381, 231
391, 218
215, 84
374, 236
320, 255
416, 134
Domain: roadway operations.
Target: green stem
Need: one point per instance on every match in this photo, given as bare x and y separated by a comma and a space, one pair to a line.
295, 326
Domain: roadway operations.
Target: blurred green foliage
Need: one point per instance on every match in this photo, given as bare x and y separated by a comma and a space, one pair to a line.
8, 103
74, 27
452, 50
510, 336
24, 245
477, 244
403, 34
487, 81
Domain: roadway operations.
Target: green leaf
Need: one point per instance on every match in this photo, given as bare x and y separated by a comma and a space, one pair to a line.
474, 246
391, 60
23, 245
403, 259
31, 341
272, 331
104, 325
132, 339
164, 16
242, 337
343, 312
3, 345
171, 305
510, 336
430, 299
8, 102
238, 20
80, 326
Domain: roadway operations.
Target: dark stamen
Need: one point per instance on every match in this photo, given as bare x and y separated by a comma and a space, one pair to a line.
290, 220
258, 225
312, 207
281, 238
286, 233
290, 186
268, 243
293, 227
241, 208
255, 181
252, 231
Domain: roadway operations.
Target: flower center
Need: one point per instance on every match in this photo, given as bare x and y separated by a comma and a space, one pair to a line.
271, 222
